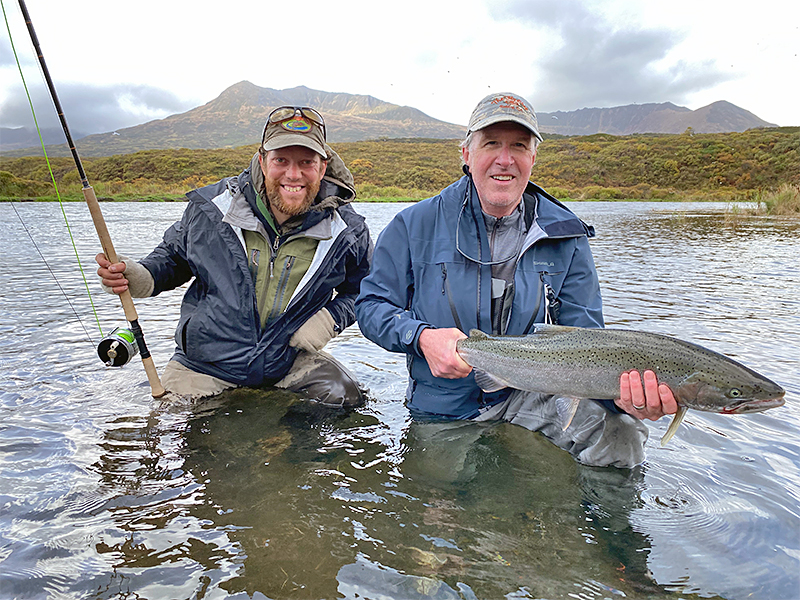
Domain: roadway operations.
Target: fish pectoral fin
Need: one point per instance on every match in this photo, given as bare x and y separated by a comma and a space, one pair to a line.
489, 383
566, 407
673, 427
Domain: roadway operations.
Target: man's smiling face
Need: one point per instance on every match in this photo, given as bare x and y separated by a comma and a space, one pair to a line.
500, 158
292, 176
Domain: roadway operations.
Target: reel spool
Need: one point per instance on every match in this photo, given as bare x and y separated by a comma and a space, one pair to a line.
118, 347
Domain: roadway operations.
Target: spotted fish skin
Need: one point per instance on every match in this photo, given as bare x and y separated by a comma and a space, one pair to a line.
587, 363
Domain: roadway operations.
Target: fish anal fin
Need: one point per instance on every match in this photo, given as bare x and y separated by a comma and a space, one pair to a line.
489, 383
566, 407
673, 427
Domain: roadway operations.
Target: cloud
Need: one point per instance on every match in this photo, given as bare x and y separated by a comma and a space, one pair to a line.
601, 63
6, 54
90, 108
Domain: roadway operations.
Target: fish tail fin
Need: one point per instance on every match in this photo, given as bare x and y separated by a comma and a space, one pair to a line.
567, 407
673, 427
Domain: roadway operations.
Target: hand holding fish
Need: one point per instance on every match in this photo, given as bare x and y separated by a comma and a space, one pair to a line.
645, 399
438, 346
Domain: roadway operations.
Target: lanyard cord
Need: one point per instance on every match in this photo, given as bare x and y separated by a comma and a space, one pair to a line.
514, 254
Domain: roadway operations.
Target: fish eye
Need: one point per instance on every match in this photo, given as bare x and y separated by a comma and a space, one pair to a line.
735, 393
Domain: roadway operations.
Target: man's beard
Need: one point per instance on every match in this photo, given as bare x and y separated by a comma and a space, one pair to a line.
273, 189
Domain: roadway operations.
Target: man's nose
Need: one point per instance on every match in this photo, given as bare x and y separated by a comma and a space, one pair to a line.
504, 157
293, 170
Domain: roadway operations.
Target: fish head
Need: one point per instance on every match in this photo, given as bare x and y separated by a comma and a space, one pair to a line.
752, 405
729, 393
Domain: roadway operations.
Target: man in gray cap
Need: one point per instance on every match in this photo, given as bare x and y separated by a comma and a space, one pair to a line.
495, 252
275, 256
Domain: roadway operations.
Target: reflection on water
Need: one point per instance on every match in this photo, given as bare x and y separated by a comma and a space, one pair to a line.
107, 493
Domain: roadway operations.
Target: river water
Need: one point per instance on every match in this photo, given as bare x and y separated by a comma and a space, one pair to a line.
108, 493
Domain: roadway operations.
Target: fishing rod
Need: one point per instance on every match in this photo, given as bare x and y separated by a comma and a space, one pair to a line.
117, 348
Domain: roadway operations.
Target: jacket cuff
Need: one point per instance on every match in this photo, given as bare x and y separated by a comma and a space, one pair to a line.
415, 343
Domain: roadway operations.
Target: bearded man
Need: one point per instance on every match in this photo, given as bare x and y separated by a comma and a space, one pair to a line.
276, 256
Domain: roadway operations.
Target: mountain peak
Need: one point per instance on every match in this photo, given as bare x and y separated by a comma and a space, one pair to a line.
236, 118
664, 117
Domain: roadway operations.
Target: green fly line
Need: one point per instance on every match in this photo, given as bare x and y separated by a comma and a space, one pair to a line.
58, 195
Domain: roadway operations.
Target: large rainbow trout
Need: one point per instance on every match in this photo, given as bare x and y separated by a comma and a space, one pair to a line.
586, 363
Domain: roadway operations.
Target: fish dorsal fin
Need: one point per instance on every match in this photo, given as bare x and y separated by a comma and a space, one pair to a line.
489, 383
477, 334
546, 328
673, 427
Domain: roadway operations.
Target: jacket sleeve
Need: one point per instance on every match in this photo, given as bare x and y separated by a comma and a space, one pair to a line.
581, 301
167, 263
383, 306
357, 265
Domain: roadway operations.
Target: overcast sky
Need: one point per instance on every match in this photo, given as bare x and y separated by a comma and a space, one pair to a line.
117, 64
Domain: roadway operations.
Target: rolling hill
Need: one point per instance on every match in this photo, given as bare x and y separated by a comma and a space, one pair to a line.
236, 118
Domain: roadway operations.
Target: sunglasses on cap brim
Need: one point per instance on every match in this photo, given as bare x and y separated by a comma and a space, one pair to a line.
283, 113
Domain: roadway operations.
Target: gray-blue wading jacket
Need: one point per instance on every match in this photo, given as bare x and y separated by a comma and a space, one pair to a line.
420, 279
219, 332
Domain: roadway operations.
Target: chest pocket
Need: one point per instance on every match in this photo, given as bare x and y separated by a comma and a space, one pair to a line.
276, 274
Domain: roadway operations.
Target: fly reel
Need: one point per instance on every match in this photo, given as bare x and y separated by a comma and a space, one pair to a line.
118, 347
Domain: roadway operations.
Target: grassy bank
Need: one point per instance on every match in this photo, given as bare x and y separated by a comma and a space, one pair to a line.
724, 167
784, 201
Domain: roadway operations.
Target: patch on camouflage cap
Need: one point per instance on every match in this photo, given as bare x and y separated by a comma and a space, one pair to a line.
300, 124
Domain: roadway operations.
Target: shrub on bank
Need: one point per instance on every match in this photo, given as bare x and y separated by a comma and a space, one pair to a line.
783, 201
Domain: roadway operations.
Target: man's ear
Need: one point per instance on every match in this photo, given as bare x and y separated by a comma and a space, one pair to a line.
465, 154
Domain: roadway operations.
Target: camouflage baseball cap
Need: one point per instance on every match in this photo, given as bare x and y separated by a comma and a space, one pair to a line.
294, 126
496, 108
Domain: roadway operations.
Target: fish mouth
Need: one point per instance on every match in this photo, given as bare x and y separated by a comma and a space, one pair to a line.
750, 406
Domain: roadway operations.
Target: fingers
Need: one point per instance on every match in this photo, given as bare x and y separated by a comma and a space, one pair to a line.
102, 260
643, 397
668, 402
111, 274
439, 348
652, 401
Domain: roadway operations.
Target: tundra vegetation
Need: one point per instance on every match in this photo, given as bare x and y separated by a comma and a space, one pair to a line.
758, 165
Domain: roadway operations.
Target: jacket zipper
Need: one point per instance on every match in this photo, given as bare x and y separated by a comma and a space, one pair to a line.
281, 290
275, 246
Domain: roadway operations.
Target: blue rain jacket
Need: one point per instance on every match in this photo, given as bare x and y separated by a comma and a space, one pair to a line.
420, 279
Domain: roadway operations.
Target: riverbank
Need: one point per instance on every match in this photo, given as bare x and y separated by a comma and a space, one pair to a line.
781, 201
723, 167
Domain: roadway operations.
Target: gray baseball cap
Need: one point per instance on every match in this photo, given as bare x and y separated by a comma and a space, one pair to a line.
496, 108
